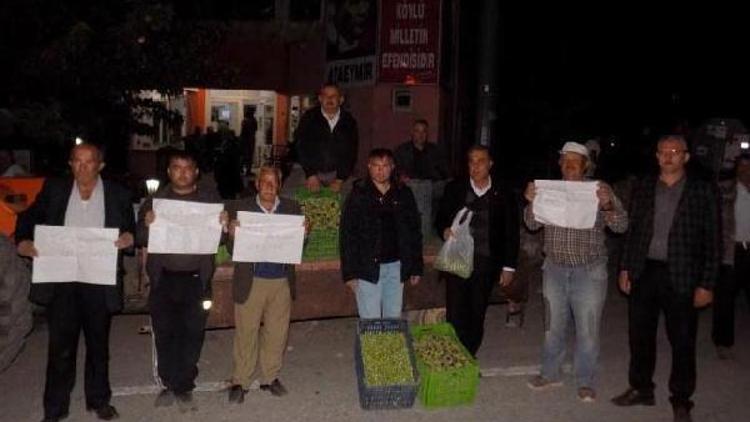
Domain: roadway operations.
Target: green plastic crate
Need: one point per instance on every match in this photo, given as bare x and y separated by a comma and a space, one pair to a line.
222, 255
452, 387
321, 244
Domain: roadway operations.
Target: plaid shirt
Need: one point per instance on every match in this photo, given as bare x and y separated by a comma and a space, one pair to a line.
573, 247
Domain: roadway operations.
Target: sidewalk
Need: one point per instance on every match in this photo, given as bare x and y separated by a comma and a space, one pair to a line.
319, 373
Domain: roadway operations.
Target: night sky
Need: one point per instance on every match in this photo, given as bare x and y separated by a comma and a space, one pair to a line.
633, 61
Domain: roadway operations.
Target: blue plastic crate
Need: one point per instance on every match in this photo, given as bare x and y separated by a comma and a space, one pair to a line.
391, 396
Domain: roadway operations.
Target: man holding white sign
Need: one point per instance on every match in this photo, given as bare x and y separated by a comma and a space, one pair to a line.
263, 284
87, 204
180, 273
575, 265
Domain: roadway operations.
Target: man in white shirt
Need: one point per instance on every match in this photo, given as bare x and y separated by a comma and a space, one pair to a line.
735, 268
326, 142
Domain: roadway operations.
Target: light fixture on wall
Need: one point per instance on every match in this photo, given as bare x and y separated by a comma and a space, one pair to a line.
152, 185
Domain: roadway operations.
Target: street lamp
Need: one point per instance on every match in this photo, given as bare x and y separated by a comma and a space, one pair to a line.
78, 140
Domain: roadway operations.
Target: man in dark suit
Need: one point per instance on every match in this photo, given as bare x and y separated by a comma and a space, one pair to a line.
83, 201
670, 264
326, 141
495, 227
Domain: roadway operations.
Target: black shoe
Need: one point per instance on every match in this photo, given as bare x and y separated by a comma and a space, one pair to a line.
55, 418
185, 402
236, 394
276, 388
105, 413
633, 397
164, 399
514, 311
682, 414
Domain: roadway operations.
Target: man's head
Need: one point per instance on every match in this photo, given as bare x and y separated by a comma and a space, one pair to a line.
330, 98
182, 170
86, 161
480, 163
380, 165
574, 160
268, 183
419, 132
743, 169
672, 154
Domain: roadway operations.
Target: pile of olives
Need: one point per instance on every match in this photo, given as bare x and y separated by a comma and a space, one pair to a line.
440, 352
386, 359
322, 213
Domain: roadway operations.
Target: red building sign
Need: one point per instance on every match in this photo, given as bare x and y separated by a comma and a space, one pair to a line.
409, 41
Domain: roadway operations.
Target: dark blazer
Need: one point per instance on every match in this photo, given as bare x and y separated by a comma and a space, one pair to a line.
360, 233
319, 149
504, 219
404, 157
694, 239
242, 281
49, 209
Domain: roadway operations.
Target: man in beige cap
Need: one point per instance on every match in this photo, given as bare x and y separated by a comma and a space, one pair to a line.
574, 279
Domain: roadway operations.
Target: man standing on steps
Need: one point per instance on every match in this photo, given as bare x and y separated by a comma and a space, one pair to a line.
326, 142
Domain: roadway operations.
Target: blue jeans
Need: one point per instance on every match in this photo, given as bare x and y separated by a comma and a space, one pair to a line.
579, 292
384, 298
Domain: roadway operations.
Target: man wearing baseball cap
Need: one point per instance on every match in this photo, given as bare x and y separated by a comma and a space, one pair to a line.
574, 279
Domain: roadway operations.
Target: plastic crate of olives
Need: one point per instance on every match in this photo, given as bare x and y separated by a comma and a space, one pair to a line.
322, 209
387, 376
449, 375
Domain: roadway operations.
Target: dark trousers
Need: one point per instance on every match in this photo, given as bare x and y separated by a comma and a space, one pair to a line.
732, 281
178, 320
77, 306
466, 304
650, 295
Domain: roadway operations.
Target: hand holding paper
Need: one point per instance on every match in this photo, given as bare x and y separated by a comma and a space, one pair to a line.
82, 254
185, 227
566, 204
274, 238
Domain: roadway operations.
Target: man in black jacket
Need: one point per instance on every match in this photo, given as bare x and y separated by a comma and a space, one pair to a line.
84, 201
180, 288
381, 242
670, 264
496, 232
420, 159
326, 141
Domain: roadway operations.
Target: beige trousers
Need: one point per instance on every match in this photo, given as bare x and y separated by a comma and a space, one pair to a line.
269, 302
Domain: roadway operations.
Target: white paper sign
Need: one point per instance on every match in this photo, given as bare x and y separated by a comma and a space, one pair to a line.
566, 204
185, 227
83, 254
269, 238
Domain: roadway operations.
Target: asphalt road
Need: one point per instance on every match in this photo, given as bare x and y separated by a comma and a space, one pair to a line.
319, 374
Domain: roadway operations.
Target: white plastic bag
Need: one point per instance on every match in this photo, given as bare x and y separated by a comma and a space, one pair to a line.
457, 254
